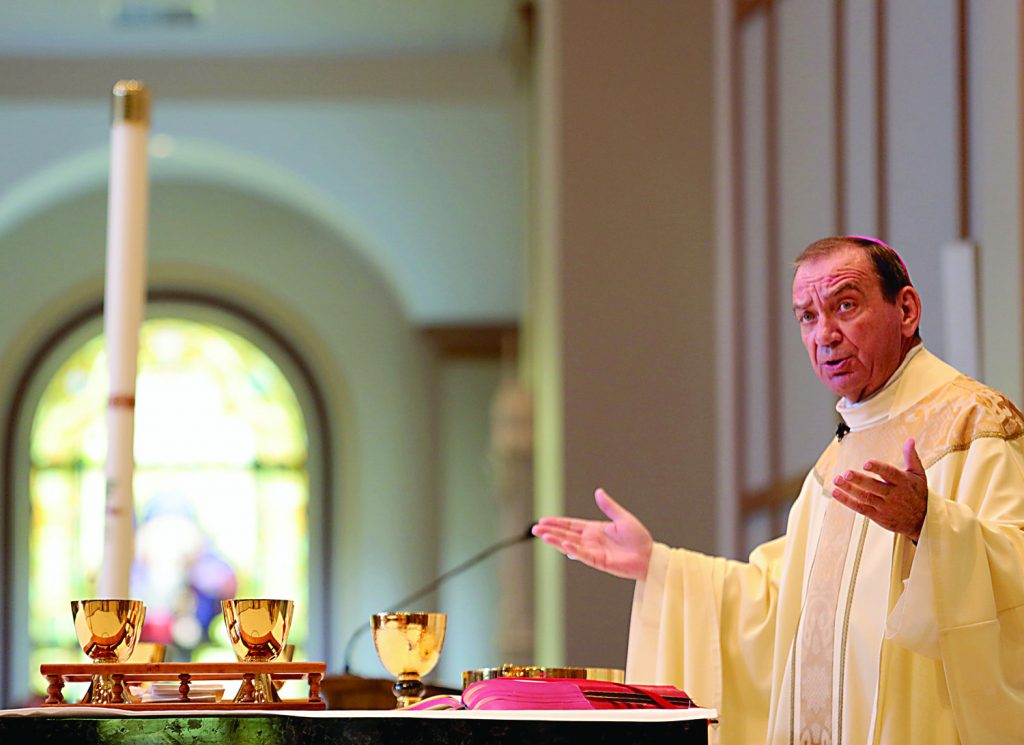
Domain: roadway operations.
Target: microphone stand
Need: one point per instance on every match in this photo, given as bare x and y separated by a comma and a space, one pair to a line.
437, 582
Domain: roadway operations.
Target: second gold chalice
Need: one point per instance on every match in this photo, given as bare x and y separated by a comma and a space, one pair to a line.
107, 631
258, 630
409, 645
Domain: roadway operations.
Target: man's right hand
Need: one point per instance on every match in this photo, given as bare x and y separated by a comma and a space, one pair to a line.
621, 545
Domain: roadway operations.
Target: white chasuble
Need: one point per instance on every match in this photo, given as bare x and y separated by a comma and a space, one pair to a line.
842, 632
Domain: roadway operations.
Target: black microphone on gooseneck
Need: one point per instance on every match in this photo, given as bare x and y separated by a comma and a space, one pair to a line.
437, 582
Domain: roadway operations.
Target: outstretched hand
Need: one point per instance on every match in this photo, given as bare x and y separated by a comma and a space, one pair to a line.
895, 498
620, 545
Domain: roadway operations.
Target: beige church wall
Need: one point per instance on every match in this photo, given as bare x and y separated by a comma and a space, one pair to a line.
860, 151
994, 78
749, 273
469, 516
420, 156
625, 245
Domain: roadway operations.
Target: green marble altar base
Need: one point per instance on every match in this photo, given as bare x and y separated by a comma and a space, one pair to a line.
355, 729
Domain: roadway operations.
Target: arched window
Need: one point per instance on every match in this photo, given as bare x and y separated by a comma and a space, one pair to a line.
221, 490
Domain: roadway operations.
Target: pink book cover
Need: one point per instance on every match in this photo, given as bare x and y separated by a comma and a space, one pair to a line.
537, 694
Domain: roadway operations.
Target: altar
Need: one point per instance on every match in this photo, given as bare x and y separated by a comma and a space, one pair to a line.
85, 726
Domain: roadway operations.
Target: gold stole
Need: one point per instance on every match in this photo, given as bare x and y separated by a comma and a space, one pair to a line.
817, 632
824, 612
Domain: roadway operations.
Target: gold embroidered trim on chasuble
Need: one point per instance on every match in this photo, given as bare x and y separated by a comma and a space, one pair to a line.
967, 410
817, 630
815, 731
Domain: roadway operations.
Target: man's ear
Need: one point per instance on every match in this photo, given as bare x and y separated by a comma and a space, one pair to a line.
909, 304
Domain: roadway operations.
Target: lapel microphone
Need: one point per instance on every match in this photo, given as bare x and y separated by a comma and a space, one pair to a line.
841, 430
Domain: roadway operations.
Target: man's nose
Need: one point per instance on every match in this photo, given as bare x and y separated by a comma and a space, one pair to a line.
827, 333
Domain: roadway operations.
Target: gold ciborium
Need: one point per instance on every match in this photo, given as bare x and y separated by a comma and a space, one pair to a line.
258, 629
409, 646
107, 631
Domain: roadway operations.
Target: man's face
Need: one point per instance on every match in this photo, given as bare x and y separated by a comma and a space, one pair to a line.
855, 339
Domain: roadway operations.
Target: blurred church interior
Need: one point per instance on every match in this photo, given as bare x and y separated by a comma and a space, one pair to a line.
420, 271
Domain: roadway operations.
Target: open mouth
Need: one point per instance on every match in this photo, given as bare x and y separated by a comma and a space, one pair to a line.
835, 365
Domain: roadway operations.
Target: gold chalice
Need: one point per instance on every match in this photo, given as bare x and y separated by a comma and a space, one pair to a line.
258, 629
409, 645
107, 631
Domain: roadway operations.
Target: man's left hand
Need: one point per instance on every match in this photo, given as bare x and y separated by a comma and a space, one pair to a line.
894, 498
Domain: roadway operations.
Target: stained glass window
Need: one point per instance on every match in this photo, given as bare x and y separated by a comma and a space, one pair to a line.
221, 490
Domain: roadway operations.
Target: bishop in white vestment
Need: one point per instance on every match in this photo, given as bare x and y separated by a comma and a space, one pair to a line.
841, 621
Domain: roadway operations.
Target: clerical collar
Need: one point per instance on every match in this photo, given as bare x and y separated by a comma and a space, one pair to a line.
878, 405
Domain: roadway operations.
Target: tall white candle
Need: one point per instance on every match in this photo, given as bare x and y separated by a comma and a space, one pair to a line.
123, 304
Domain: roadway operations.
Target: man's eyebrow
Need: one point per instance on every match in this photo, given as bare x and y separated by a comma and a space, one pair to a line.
849, 284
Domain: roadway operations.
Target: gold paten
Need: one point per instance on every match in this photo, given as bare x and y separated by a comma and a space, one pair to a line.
409, 646
130, 102
258, 629
610, 675
107, 631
